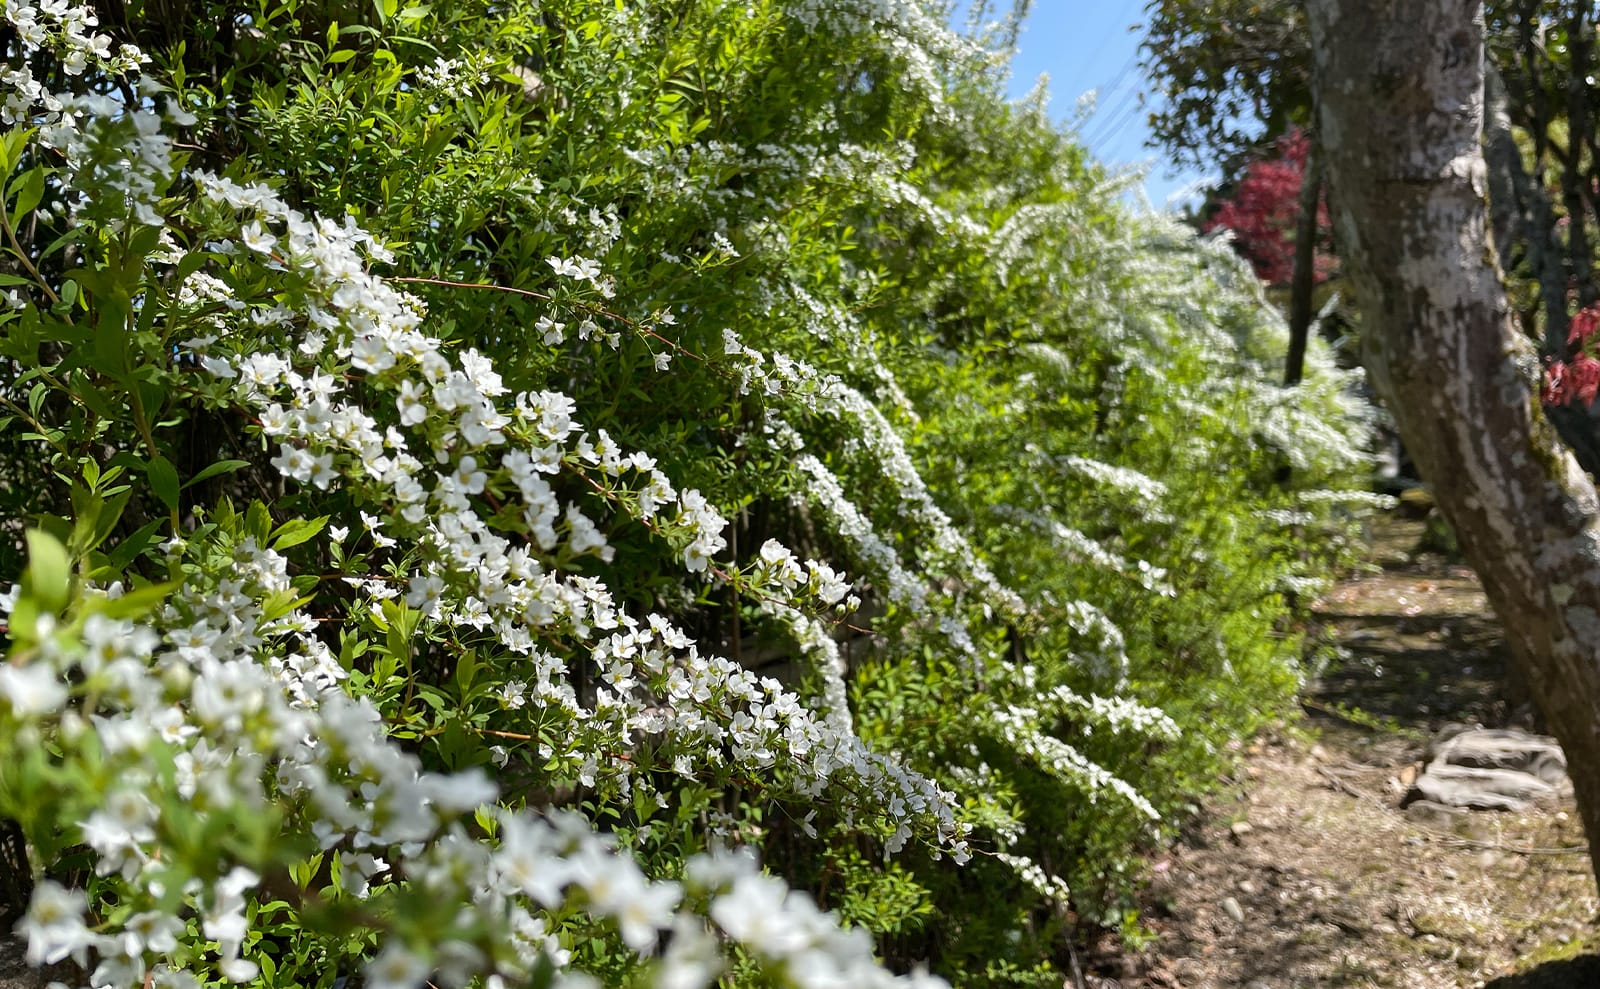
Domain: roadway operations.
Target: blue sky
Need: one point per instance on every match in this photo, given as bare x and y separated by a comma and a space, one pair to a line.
1088, 45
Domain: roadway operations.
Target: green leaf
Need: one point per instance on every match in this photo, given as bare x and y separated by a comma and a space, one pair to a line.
128, 549
97, 400
342, 55
163, 480
29, 191
110, 515
220, 467
136, 603
296, 531
257, 521
280, 603
189, 264
466, 669
49, 574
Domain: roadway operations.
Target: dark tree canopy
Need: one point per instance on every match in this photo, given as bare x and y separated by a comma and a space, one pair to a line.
1236, 76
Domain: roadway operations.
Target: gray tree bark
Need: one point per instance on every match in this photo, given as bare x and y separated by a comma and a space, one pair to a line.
1400, 87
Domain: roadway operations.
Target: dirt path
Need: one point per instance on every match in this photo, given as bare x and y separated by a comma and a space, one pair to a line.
1307, 874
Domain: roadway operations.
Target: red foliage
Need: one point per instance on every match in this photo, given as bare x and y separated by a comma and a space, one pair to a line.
1262, 211
1577, 380
1584, 323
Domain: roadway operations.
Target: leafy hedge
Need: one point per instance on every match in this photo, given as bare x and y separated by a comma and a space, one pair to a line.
482, 470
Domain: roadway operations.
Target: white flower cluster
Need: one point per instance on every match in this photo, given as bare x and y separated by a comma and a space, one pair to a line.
816, 641
1119, 714
1053, 888
1308, 585
119, 157
908, 28
370, 800
223, 706
874, 441
1123, 480
1366, 499
1018, 726
67, 30
1082, 547
657, 681
783, 926
120, 147
194, 689
870, 549
690, 172
1111, 657
1286, 517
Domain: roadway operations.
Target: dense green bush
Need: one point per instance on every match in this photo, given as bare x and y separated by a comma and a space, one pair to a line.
478, 467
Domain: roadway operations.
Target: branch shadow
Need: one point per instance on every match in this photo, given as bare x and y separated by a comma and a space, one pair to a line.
1568, 973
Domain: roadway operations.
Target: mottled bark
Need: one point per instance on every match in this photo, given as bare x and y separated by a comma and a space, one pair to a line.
1305, 264
1508, 180
1400, 87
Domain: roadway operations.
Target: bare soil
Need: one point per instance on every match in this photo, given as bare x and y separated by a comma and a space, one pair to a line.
1305, 872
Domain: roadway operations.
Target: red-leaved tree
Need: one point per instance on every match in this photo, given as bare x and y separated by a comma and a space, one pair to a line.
1263, 207
1576, 380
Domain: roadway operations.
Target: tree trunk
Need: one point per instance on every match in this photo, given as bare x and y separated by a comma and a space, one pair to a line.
1400, 86
1574, 180
1305, 264
1520, 214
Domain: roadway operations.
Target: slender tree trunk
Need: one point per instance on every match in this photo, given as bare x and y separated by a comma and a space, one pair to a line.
1305, 263
1400, 87
1574, 180
1520, 214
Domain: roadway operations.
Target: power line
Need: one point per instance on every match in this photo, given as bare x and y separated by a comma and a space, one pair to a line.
1128, 66
1134, 114
1112, 117
1101, 46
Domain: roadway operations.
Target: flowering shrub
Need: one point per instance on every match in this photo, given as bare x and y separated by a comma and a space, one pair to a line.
504, 494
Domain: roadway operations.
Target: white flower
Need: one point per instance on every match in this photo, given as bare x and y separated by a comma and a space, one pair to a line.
396, 967
152, 930
756, 914
412, 411
177, 114
258, 239
34, 690
217, 367
54, 925
294, 463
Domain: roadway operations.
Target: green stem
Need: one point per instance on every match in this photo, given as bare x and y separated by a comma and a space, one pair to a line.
22, 256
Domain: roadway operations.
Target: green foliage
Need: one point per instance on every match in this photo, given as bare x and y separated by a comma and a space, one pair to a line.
1237, 76
808, 262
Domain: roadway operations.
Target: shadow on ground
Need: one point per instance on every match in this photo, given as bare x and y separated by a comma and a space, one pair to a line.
1418, 643
1569, 973
1306, 873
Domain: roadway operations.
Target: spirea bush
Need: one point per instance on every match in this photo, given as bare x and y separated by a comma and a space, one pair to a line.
639, 494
